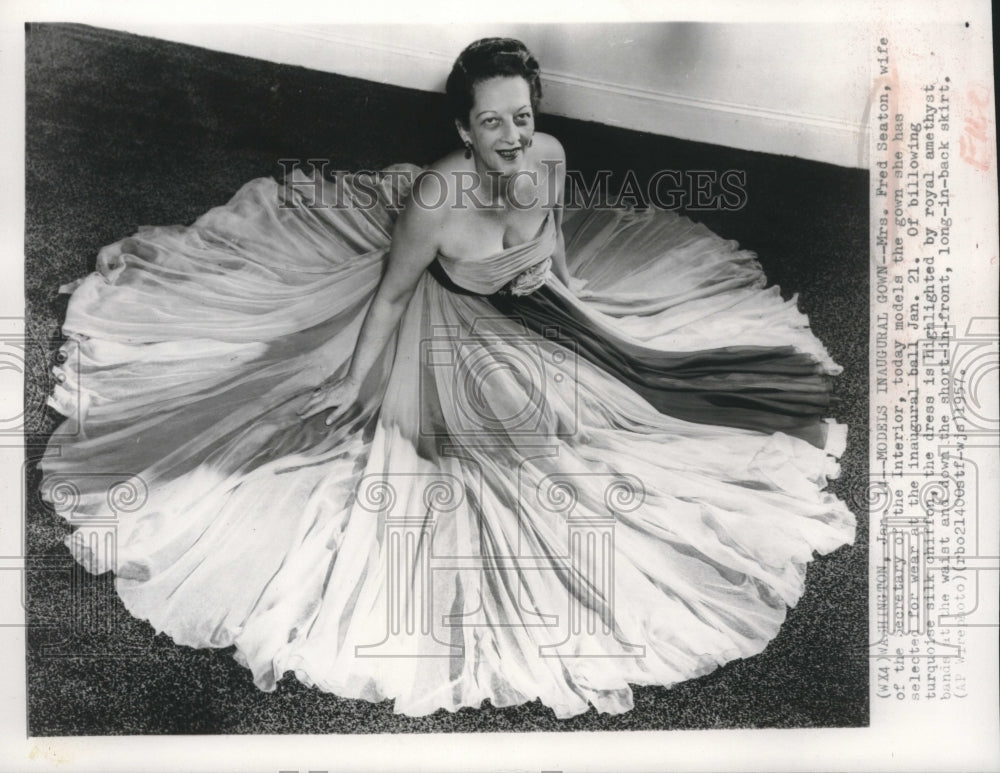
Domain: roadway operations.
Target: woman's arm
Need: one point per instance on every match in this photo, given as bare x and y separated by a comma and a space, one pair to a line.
415, 242
555, 162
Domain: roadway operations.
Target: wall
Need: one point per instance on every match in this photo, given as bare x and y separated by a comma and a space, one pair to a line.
791, 89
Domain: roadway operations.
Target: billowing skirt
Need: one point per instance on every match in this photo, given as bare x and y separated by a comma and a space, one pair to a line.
551, 496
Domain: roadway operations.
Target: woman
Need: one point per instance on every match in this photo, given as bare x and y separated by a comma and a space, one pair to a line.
498, 490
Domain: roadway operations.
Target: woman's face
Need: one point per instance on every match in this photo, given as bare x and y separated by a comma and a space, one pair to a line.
501, 123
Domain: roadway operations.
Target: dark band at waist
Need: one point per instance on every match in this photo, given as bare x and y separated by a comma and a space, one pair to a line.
436, 270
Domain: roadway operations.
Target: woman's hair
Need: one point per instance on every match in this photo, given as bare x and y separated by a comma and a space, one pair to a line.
490, 58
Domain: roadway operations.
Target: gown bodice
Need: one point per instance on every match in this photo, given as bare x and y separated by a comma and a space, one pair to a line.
516, 270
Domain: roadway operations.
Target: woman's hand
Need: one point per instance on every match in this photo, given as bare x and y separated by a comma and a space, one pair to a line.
579, 288
560, 271
340, 395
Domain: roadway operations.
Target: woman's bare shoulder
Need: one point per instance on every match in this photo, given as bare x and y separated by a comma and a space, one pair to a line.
549, 147
449, 165
441, 178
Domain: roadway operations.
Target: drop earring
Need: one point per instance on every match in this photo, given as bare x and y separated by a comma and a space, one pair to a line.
527, 142
468, 149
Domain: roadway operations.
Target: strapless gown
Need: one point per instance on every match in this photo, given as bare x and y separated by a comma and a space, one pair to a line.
544, 493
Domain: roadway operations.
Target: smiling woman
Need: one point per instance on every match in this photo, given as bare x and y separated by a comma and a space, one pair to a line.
481, 451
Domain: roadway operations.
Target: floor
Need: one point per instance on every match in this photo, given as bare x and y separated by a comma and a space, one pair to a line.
124, 131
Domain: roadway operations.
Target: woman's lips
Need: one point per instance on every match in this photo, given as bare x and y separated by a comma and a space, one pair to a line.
509, 154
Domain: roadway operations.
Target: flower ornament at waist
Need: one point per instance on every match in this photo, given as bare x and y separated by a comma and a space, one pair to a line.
528, 280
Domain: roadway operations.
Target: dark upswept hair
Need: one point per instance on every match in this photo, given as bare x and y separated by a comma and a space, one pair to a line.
490, 58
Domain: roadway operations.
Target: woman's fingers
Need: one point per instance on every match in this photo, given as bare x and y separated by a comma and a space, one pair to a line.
335, 414
324, 400
318, 408
340, 397
340, 408
317, 402
306, 409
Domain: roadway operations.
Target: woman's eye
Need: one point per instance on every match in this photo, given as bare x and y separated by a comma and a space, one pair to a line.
491, 121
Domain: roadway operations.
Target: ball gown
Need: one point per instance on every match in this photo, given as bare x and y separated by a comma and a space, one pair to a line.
543, 493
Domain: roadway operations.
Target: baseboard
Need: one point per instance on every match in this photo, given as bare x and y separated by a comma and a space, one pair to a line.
741, 126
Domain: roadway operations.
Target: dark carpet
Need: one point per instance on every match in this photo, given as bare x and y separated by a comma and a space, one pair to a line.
124, 131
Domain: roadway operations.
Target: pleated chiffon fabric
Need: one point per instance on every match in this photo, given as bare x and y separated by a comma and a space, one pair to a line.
543, 493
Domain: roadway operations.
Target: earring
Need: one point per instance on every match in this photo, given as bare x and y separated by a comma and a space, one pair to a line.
528, 142
468, 149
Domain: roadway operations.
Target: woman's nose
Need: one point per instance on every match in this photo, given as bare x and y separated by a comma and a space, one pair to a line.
511, 134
